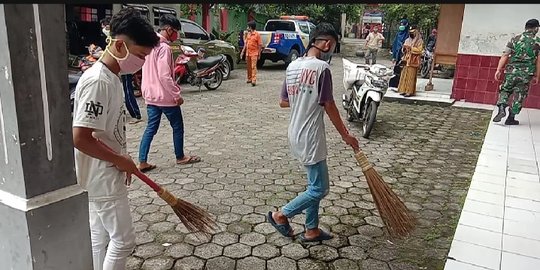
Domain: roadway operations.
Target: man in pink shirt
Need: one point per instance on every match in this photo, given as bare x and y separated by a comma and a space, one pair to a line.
162, 94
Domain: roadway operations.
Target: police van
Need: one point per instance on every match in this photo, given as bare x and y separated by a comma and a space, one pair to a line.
285, 39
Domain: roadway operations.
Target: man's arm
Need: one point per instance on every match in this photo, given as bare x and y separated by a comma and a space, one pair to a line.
86, 143
380, 41
504, 58
164, 64
503, 61
333, 113
368, 38
326, 99
500, 67
284, 102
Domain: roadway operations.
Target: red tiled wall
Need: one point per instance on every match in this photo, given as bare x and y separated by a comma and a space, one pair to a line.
474, 81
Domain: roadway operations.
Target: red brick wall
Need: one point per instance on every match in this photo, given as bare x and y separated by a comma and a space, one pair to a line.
474, 81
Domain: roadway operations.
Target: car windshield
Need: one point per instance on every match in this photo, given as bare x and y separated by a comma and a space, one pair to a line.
279, 26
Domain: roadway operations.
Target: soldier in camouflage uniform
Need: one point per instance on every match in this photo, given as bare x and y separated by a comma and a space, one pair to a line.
521, 54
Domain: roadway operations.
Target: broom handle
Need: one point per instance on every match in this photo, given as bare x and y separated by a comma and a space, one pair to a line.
362, 160
139, 174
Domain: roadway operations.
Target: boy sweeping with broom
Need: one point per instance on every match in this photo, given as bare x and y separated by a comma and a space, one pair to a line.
99, 114
307, 90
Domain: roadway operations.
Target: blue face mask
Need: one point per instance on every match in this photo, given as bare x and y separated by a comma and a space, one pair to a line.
401, 27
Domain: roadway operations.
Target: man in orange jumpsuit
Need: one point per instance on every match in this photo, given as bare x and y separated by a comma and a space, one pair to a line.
252, 47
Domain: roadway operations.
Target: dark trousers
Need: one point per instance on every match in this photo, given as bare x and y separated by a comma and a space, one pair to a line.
129, 95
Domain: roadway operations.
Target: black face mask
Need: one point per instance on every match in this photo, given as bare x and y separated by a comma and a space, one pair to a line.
412, 35
325, 54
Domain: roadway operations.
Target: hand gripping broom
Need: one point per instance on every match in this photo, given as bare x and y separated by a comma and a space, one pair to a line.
193, 217
393, 211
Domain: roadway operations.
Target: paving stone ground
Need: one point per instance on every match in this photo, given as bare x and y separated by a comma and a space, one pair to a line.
427, 153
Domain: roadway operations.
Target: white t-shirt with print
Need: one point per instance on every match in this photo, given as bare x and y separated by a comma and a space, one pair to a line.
374, 40
99, 104
307, 87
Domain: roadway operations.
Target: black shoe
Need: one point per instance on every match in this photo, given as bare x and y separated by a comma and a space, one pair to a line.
501, 113
510, 121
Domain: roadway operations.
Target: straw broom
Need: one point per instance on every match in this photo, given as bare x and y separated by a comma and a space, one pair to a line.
193, 217
393, 211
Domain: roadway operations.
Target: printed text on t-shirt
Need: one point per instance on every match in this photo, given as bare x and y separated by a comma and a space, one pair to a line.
307, 81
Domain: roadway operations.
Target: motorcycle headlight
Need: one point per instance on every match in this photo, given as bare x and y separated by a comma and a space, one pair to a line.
379, 83
381, 72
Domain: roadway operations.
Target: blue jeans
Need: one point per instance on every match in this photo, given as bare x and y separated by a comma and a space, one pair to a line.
174, 115
317, 189
129, 95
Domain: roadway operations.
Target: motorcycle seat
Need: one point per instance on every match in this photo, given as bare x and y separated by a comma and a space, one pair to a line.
209, 62
74, 78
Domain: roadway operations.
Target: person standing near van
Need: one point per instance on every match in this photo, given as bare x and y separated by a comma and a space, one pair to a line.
252, 49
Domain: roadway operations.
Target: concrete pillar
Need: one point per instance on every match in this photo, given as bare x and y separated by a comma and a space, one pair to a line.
343, 24
206, 18
224, 19
43, 212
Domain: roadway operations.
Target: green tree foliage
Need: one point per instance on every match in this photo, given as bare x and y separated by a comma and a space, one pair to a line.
422, 15
316, 12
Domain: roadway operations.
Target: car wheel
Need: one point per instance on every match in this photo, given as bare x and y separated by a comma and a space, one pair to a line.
293, 55
226, 70
260, 63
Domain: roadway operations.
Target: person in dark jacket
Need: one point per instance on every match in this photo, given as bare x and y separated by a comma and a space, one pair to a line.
432, 39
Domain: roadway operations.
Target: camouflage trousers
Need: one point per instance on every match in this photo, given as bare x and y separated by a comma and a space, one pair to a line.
517, 84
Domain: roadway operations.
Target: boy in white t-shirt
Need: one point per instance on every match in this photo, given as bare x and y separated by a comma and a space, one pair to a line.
99, 114
307, 90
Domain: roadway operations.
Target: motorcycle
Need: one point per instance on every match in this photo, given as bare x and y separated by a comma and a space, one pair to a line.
198, 72
365, 87
427, 61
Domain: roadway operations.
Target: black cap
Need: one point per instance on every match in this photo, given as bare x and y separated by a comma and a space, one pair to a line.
532, 23
252, 24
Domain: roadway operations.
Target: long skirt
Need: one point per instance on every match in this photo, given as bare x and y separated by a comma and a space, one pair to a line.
407, 82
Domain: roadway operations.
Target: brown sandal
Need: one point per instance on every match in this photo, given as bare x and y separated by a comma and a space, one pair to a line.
147, 169
190, 160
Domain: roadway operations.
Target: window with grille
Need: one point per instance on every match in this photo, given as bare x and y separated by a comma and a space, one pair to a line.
142, 8
158, 11
86, 14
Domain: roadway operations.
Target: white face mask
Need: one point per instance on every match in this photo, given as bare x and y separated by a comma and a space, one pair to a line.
106, 32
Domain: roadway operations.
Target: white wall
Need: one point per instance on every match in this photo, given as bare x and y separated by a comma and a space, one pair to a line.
487, 28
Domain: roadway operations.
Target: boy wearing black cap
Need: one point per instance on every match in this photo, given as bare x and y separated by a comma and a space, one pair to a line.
307, 90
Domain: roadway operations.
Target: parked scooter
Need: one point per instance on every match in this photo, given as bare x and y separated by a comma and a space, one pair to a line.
365, 87
198, 72
427, 61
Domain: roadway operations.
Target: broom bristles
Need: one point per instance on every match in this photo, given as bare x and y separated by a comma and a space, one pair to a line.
193, 217
393, 211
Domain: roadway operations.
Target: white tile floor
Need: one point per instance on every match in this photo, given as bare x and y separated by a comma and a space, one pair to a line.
499, 226
440, 93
